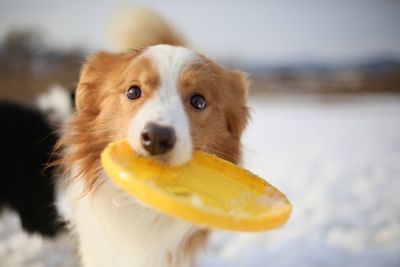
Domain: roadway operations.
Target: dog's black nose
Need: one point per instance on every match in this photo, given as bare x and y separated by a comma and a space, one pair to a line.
158, 139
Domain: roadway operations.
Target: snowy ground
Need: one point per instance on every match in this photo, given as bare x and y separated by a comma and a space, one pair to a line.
339, 164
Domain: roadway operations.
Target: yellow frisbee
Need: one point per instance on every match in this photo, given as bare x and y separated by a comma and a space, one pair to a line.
206, 191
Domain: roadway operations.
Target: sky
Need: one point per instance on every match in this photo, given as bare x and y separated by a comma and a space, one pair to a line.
249, 31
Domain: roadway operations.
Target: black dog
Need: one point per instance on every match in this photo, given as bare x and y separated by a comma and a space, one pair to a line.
26, 186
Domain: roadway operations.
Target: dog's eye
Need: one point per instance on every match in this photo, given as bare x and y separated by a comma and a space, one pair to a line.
134, 92
198, 102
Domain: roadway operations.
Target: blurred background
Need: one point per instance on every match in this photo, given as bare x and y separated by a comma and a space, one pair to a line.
325, 101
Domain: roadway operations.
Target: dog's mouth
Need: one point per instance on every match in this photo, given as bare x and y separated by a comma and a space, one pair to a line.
166, 159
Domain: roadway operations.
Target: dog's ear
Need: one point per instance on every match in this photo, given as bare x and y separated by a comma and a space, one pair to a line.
95, 74
236, 110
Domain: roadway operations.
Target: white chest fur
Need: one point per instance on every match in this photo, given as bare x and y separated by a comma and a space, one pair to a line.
115, 230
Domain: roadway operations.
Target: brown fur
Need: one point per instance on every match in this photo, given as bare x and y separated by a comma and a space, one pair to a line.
219, 127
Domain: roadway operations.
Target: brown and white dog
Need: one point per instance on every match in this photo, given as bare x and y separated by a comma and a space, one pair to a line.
167, 101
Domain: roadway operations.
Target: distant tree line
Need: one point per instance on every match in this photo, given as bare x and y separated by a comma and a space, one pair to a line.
28, 67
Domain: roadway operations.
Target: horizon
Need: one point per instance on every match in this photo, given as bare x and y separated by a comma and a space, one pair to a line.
312, 31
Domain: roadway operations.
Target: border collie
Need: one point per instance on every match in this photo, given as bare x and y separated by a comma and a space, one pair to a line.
167, 101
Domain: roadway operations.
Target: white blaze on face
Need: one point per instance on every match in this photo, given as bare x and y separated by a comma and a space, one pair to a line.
165, 106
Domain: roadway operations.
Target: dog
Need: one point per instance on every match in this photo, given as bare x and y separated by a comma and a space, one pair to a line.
167, 101
28, 188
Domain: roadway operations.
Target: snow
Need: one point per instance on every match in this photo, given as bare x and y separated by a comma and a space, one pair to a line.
337, 161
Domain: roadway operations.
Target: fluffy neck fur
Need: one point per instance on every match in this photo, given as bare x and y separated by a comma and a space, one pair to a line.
115, 230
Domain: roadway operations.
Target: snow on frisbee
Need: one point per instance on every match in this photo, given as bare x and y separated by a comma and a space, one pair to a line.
206, 191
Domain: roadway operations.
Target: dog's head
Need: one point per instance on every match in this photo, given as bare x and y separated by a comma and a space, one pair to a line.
167, 101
